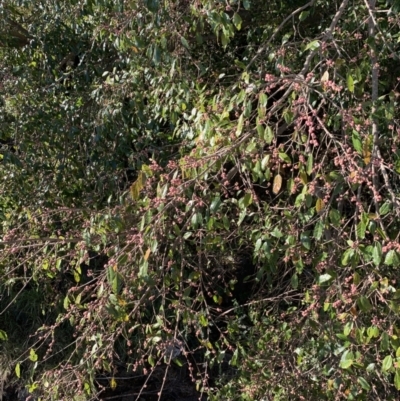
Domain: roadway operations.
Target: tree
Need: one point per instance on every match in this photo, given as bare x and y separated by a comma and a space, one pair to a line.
210, 186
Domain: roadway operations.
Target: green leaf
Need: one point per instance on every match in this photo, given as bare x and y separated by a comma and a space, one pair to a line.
78, 299
385, 341
312, 45
215, 204
224, 39
237, 21
310, 164
334, 217
294, 281
377, 254
151, 360
260, 131
346, 257
184, 42
285, 158
385, 208
305, 240
18, 370
225, 222
156, 55
347, 328
203, 321
391, 258
233, 361
361, 228
364, 303
387, 363
117, 282
66, 302
239, 128
77, 276
178, 362
370, 367
197, 219
303, 15
373, 332
152, 5
350, 83
265, 162
318, 230
364, 384
346, 364
143, 269
347, 355
397, 379
263, 99
242, 215
268, 135
355, 138
3, 335
247, 200
32, 355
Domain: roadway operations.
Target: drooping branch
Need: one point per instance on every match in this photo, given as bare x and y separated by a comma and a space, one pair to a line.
377, 160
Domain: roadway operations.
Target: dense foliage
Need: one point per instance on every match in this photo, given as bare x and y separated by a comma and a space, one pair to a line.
200, 197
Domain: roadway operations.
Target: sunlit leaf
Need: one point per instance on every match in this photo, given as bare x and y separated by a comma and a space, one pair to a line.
350, 83
361, 228
268, 135
377, 254
346, 364
323, 278
313, 45
285, 158
392, 258
277, 185
138, 185
303, 15
387, 363
263, 99
324, 79
346, 257
113, 383
32, 355
319, 205
18, 370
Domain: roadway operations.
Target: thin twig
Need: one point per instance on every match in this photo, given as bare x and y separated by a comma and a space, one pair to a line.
283, 23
